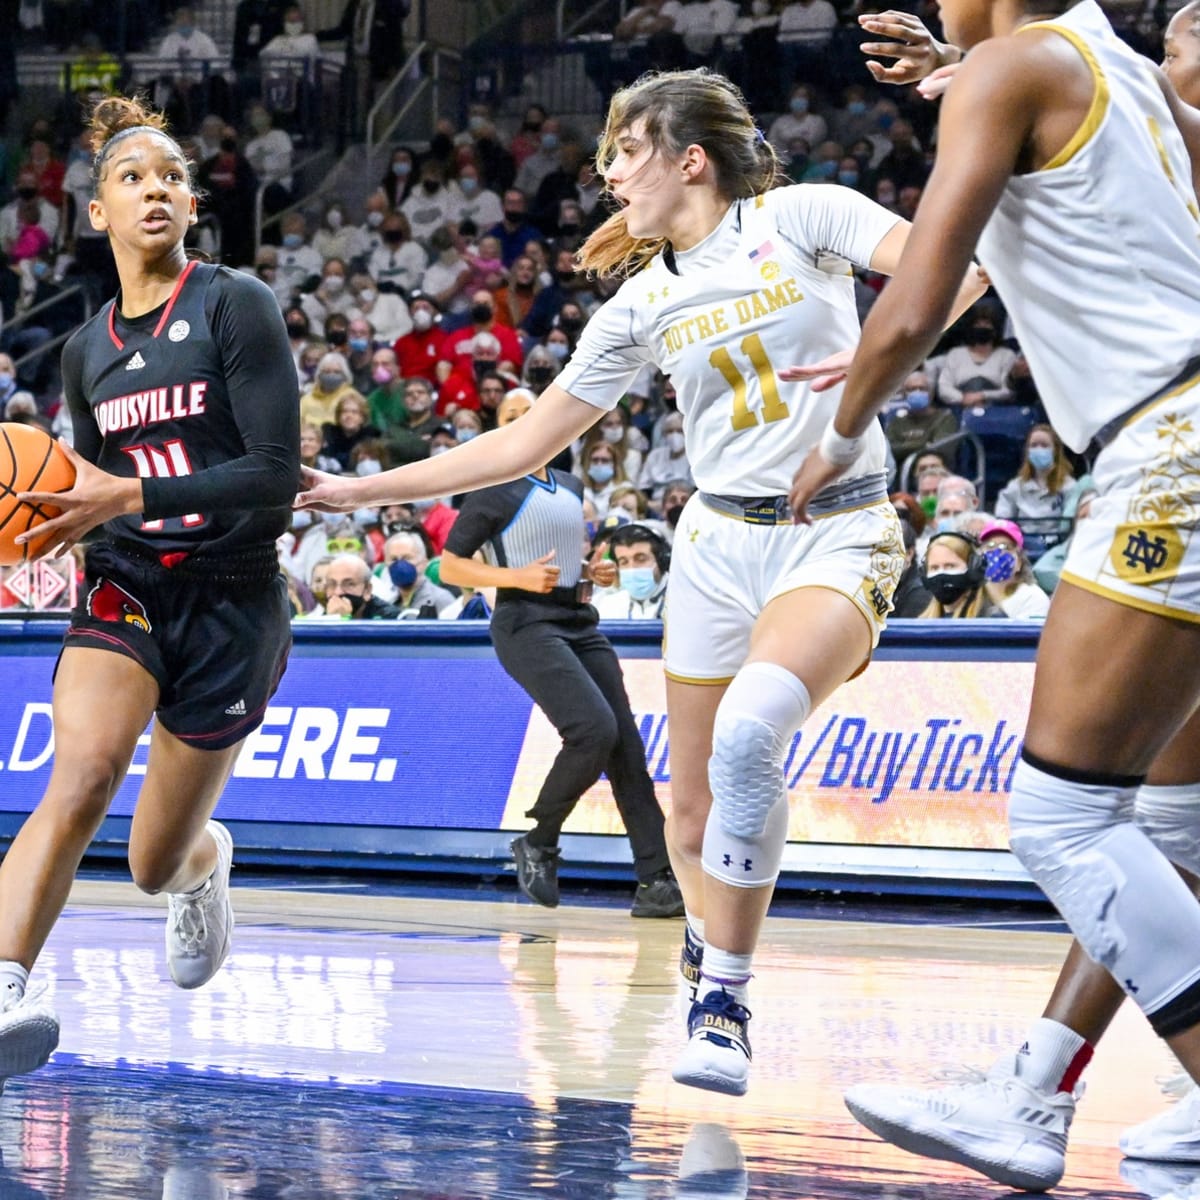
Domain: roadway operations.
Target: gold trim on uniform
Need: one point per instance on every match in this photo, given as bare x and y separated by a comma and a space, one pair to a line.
722, 682
1118, 597
1138, 414
1099, 105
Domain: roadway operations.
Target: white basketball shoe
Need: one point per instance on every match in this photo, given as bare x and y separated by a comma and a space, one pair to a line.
28, 1034
717, 1055
1173, 1135
200, 925
995, 1124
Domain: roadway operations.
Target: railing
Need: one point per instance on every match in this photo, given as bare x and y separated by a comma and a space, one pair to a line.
439, 81
76, 289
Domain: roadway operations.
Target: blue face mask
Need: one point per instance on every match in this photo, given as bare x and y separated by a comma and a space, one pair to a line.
827, 170
917, 400
360, 344
600, 473
293, 240
947, 524
799, 104
1041, 458
465, 433
639, 582
1001, 564
364, 518
856, 108
549, 141
402, 574
401, 168
847, 178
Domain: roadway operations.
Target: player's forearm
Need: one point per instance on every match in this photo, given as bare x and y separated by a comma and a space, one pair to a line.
471, 573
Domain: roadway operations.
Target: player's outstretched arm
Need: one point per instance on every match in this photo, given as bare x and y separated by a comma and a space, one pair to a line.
509, 452
916, 51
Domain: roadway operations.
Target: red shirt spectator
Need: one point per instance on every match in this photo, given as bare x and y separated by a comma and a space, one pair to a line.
48, 171
457, 390
437, 522
458, 349
419, 351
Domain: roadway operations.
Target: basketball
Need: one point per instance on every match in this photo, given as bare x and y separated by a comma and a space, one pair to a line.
30, 460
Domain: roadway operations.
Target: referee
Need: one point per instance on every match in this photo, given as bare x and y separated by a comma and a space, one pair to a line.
545, 635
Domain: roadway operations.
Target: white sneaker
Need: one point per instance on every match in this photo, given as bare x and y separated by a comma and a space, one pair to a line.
1173, 1135
200, 928
995, 1124
28, 1035
1160, 1180
717, 1056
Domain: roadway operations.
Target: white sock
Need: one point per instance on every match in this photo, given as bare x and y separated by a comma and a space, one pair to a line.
695, 924
13, 980
723, 969
1051, 1058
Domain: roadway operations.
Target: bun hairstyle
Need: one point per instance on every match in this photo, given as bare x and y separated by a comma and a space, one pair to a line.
115, 117
680, 109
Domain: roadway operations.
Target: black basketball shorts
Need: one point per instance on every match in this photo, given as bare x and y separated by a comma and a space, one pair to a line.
216, 643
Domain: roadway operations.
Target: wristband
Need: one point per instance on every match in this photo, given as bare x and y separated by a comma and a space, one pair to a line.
837, 450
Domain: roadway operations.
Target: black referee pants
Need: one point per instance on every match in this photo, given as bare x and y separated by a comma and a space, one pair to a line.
572, 674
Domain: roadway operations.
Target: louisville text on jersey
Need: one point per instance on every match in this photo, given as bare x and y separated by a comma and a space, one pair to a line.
151, 407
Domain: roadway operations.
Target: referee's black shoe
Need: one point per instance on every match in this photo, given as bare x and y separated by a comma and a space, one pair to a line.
659, 896
537, 871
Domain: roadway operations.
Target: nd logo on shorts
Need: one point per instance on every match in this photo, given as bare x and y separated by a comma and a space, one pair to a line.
108, 601
1146, 553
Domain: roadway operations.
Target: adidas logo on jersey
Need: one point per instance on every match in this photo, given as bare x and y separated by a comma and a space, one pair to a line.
136, 363
236, 710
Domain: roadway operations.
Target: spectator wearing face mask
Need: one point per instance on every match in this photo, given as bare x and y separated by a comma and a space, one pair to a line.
298, 261
318, 405
917, 422
541, 366
429, 206
668, 461
398, 263
358, 349
977, 372
406, 559
385, 400
331, 295
459, 349
419, 351
953, 572
514, 301
799, 121
643, 561
348, 592
630, 443
1010, 581
601, 473
386, 312
1048, 568
674, 498
1036, 496
304, 545
336, 237
350, 427
514, 229
956, 498
269, 152
570, 321
25, 210
470, 200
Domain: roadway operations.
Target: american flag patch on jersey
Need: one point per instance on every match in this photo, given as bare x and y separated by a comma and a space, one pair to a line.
766, 248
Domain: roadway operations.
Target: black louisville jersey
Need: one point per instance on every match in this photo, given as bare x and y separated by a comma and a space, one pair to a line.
199, 399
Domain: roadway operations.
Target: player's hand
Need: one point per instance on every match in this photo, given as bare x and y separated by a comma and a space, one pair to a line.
827, 373
327, 493
916, 51
815, 473
539, 576
934, 85
95, 497
603, 573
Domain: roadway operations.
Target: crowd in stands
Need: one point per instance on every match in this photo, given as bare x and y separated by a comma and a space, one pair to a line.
412, 315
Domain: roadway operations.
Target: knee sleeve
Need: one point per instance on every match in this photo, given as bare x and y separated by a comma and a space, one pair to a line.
1170, 818
1124, 902
747, 827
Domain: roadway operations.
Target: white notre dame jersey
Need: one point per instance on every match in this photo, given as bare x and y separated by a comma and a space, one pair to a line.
768, 288
1097, 255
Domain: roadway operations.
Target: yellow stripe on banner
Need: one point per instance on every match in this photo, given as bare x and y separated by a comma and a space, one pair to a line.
1123, 598
1099, 105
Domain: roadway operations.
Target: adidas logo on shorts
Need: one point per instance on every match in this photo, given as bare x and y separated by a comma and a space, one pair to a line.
136, 363
236, 710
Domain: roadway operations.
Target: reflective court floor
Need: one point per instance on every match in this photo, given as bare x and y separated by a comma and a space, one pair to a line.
377, 1046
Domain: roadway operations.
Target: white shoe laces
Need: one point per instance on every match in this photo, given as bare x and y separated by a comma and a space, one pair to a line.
189, 928
1177, 1086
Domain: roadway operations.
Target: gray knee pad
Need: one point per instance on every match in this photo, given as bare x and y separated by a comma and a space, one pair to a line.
1170, 818
1123, 900
747, 827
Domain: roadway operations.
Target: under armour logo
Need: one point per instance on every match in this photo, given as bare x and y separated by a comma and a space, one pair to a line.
650, 299
747, 863
1131, 987
1143, 551
693, 534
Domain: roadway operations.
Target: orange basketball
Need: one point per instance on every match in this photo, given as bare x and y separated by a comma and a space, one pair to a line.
30, 461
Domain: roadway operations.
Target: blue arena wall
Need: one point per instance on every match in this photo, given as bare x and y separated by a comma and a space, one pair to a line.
404, 747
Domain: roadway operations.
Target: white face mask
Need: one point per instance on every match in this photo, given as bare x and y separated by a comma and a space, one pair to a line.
674, 441
374, 219
334, 284
335, 219
293, 28
367, 296
422, 320
612, 434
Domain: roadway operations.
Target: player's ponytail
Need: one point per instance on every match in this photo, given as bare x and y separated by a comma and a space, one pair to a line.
680, 109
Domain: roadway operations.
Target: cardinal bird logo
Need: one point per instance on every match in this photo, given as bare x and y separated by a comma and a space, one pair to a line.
108, 601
